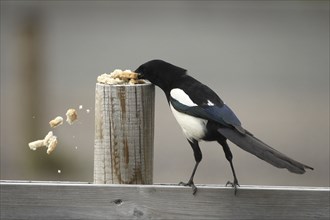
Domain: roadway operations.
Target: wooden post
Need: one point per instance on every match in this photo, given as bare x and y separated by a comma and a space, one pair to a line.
124, 132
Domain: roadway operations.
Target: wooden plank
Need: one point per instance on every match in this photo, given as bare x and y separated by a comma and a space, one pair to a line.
106, 201
124, 132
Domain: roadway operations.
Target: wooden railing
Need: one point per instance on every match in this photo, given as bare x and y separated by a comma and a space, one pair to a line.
75, 200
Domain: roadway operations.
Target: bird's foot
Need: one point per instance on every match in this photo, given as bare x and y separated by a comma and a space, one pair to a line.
234, 184
191, 184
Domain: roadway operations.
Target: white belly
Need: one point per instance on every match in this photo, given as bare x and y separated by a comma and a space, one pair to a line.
192, 127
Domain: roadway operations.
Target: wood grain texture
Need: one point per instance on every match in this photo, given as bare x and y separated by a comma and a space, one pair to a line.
124, 131
113, 201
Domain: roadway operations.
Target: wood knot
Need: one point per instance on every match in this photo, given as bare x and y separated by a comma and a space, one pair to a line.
137, 213
117, 202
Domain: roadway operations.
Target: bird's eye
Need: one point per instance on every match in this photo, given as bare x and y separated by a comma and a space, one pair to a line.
140, 75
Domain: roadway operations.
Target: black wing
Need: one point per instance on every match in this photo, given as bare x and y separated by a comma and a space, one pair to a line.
208, 104
220, 114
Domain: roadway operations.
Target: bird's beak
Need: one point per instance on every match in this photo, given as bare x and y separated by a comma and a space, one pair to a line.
140, 75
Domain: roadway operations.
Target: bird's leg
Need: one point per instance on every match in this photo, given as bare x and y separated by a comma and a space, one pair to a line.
191, 180
229, 157
235, 182
198, 158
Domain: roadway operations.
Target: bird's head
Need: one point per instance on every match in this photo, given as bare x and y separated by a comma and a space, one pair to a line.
160, 73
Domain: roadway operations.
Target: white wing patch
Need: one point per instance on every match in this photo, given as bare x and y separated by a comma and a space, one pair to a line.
209, 103
182, 97
193, 128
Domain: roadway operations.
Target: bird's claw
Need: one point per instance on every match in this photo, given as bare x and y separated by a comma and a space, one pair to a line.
191, 184
234, 184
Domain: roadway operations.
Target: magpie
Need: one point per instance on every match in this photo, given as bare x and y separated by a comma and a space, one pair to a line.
202, 115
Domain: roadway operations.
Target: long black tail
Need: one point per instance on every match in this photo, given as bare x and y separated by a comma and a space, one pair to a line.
258, 148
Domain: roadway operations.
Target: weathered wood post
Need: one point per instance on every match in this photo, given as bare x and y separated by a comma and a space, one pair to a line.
124, 132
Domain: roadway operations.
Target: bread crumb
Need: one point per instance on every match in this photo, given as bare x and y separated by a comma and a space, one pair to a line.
136, 81
71, 116
47, 137
56, 122
36, 144
52, 143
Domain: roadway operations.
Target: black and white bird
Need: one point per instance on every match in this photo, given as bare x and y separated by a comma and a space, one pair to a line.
202, 115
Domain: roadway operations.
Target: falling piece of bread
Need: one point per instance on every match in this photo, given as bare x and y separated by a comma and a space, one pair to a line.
36, 144
50, 141
56, 122
71, 116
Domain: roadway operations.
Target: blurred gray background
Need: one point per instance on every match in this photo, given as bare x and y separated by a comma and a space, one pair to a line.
268, 60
